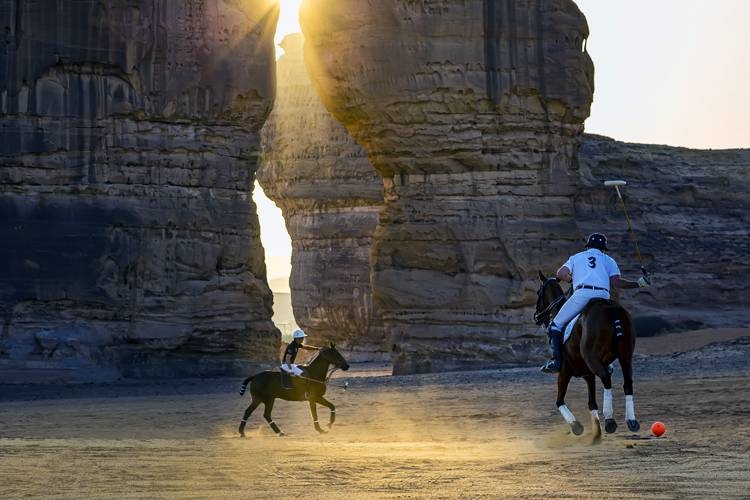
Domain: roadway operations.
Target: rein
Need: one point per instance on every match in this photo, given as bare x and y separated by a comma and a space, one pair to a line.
324, 382
329, 371
544, 316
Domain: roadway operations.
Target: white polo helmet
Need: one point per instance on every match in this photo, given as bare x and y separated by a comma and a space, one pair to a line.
298, 334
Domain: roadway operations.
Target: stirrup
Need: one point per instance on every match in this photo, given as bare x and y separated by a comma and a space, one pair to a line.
551, 366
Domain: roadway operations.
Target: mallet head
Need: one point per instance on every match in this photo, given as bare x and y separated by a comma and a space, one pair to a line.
616, 185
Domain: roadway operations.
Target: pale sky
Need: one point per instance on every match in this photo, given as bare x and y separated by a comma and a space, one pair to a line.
667, 72
671, 71
273, 232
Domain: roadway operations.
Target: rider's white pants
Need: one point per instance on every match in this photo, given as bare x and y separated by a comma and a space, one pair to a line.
575, 304
293, 369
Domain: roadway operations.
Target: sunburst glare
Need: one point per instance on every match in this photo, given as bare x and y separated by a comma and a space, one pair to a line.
288, 21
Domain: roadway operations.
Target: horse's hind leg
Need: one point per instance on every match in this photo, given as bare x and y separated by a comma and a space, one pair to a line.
594, 408
563, 379
267, 415
250, 409
627, 373
602, 372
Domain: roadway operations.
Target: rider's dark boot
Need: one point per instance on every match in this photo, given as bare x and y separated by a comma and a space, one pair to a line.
286, 380
555, 339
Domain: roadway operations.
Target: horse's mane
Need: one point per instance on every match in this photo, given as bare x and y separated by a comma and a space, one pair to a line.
316, 355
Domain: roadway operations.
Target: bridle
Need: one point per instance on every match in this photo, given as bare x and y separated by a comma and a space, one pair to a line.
329, 372
545, 316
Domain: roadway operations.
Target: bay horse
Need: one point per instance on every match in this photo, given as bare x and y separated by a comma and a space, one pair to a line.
603, 333
267, 386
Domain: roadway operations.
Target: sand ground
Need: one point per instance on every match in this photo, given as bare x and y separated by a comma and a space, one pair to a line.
487, 434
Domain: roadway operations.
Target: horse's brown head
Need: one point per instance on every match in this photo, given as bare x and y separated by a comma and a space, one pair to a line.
549, 296
333, 356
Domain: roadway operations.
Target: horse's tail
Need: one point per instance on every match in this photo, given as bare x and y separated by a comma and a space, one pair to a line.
243, 387
620, 321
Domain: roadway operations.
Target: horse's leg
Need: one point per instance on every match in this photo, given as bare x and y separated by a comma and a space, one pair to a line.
602, 372
593, 407
563, 379
626, 363
250, 409
314, 413
267, 415
323, 401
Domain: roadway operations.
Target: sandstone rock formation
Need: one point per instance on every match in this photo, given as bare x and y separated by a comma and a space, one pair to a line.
330, 196
691, 214
471, 112
128, 145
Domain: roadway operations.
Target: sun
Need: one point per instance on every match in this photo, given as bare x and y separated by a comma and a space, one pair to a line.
288, 19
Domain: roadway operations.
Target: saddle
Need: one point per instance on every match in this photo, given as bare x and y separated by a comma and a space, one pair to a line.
568, 330
287, 379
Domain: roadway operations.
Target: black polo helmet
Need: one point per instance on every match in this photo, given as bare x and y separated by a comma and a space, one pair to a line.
597, 240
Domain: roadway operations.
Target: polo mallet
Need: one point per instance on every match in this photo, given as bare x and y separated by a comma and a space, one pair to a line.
617, 185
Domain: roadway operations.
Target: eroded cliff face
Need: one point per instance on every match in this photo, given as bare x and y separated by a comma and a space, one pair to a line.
129, 137
691, 216
471, 111
330, 196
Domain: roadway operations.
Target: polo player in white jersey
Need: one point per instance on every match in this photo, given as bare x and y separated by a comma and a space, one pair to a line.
593, 274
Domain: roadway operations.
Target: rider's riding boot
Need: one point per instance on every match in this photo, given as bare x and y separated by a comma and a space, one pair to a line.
286, 380
554, 364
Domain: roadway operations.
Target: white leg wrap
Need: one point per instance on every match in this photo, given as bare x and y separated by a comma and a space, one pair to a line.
629, 408
608, 411
567, 414
594, 414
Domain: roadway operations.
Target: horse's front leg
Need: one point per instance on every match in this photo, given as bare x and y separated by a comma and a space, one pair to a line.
563, 379
314, 413
594, 408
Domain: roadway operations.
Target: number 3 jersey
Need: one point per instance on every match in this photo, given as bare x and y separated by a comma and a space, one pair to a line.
592, 267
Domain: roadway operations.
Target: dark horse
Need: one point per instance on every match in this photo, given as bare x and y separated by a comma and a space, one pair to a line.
310, 386
604, 333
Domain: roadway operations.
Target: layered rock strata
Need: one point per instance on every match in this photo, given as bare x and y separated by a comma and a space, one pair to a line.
690, 212
471, 112
330, 196
129, 137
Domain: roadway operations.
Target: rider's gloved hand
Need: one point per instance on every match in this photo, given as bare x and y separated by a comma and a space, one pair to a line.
644, 281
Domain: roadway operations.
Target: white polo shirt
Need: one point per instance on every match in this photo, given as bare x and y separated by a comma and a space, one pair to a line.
592, 267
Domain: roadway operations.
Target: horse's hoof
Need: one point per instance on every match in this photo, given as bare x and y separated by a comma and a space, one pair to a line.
281, 434
577, 428
610, 425
634, 426
322, 431
242, 434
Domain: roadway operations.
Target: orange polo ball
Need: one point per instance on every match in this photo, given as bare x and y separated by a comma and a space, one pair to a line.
658, 429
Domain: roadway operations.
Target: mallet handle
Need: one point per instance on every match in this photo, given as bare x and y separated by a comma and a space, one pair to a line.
632, 233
